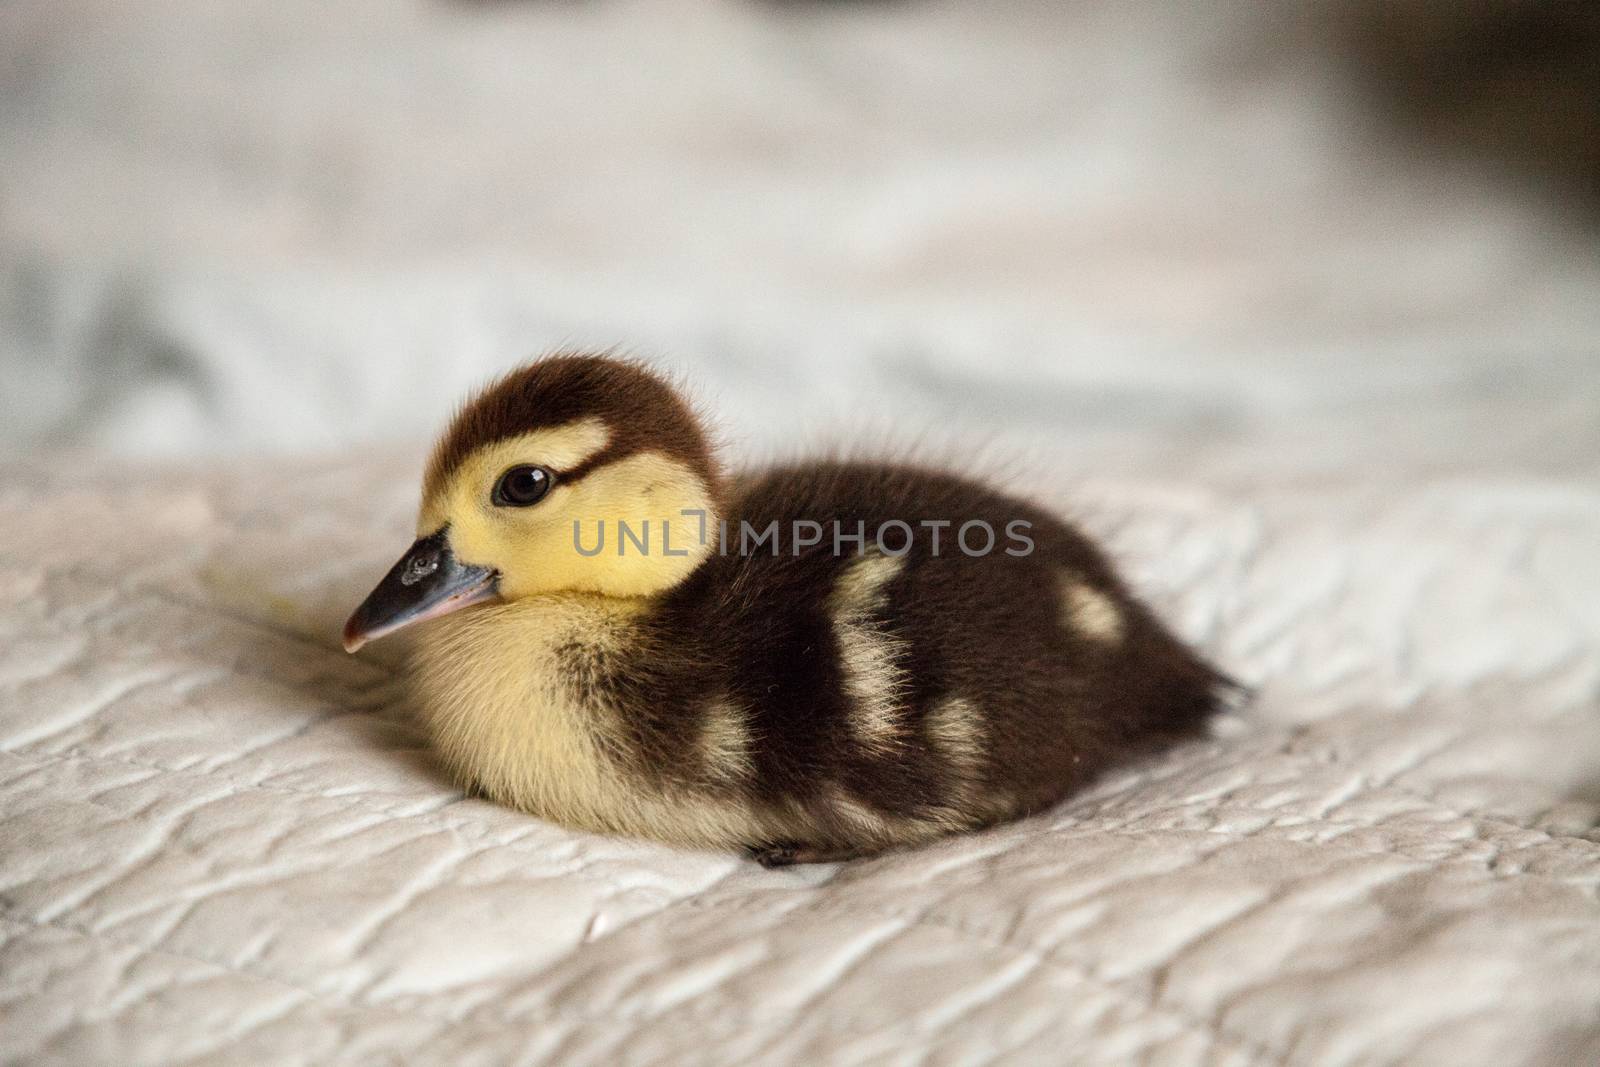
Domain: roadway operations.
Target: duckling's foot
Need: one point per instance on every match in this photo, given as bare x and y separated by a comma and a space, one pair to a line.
789, 853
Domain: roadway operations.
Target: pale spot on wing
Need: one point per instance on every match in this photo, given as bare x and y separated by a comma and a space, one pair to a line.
860, 587
724, 742
955, 728
872, 680
1088, 611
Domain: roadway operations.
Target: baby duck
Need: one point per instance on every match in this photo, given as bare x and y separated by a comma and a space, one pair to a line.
813, 663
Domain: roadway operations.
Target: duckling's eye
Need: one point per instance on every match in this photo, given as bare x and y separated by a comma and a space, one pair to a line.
521, 486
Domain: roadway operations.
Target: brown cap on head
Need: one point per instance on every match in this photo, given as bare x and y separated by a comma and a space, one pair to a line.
643, 413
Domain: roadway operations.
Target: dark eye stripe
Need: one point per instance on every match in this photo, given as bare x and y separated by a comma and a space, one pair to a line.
522, 487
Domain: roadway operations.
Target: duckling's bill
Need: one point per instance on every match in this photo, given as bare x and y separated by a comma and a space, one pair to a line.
426, 583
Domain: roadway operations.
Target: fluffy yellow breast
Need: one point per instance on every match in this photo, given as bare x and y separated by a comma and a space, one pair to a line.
492, 691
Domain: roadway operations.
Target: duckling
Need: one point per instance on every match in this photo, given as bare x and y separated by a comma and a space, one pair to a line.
818, 662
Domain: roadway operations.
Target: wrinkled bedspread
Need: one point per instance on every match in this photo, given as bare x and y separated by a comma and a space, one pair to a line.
222, 841
1335, 409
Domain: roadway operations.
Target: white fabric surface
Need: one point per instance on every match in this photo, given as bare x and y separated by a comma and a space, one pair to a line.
1337, 412
223, 843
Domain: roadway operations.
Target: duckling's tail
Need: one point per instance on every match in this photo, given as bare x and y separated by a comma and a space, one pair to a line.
1197, 700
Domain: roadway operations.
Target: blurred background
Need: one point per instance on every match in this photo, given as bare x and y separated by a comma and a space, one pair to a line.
1120, 234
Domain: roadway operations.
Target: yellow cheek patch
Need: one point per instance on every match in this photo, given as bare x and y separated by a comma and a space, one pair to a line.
620, 530
629, 519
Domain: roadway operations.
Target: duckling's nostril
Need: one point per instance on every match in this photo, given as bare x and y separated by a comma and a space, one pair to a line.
419, 567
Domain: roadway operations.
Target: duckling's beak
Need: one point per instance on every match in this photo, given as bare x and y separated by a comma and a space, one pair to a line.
427, 582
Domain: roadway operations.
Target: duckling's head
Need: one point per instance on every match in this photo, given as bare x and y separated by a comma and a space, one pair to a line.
574, 474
